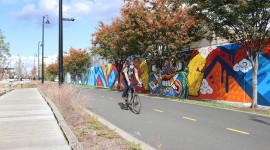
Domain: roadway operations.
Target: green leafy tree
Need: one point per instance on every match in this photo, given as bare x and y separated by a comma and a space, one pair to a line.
240, 21
76, 61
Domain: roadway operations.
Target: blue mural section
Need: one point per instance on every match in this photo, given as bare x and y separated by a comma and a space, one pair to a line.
263, 80
101, 76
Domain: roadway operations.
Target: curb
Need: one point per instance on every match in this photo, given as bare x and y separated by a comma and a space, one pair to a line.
121, 132
67, 132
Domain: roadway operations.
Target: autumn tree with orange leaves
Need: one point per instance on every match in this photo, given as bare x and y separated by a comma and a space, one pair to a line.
163, 27
34, 72
153, 29
111, 43
150, 29
52, 71
76, 61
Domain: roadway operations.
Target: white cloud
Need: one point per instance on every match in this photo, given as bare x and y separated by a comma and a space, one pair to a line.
205, 51
205, 88
27, 12
244, 66
28, 61
8, 2
103, 10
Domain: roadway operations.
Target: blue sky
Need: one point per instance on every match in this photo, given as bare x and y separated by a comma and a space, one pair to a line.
21, 24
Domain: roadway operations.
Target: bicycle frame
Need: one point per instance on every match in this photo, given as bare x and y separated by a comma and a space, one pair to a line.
132, 94
133, 101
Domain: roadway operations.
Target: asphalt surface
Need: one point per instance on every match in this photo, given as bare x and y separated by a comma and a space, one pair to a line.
171, 125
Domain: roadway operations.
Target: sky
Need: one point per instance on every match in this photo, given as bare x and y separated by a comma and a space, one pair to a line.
21, 24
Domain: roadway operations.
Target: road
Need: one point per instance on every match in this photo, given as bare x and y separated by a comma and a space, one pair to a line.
172, 125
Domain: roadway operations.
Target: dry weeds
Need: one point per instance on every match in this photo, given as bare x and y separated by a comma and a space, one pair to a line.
90, 132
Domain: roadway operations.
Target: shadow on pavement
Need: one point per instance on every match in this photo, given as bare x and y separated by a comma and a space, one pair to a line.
261, 119
122, 106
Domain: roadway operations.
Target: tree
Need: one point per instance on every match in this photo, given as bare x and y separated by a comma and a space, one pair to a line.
76, 61
34, 72
19, 68
52, 71
240, 21
154, 30
4, 52
111, 43
162, 28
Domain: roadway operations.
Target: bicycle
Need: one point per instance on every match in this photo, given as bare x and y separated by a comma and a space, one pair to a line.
133, 101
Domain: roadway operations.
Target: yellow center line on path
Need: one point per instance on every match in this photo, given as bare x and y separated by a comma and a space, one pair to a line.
191, 119
158, 110
238, 131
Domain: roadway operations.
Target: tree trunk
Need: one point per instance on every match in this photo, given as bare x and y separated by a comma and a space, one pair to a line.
160, 83
119, 74
255, 83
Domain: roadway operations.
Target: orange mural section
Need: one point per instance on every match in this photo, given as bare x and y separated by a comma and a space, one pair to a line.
235, 94
214, 80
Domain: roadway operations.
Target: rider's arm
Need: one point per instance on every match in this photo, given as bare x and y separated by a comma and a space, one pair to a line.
126, 76
137, 77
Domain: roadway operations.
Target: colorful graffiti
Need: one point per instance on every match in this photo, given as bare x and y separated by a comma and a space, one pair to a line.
216, 73
144, 74
208, 73
101, 76
107, 76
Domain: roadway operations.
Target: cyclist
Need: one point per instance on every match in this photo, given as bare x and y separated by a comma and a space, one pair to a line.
128, 74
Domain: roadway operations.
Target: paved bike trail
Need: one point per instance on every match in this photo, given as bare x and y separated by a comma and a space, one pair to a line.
171, 125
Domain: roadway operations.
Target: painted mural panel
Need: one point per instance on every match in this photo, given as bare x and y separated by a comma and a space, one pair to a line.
210, 73
221, 75
214, 73
174, 78
101, 76
263, 80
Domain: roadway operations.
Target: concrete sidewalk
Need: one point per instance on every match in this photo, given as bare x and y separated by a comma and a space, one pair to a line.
27, 122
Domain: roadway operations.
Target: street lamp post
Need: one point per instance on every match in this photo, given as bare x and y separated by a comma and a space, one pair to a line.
47, 22
60, 63
60, 55
38, 77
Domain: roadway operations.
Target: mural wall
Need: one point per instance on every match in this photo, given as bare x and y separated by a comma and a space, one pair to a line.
212, 73
101, 76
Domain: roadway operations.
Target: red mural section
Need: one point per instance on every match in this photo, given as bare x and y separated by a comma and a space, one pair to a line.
138, 88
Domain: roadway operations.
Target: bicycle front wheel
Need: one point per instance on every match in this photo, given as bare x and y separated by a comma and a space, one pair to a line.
136, 104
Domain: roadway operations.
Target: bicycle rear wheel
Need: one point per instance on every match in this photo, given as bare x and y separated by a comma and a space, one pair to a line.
136, 104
